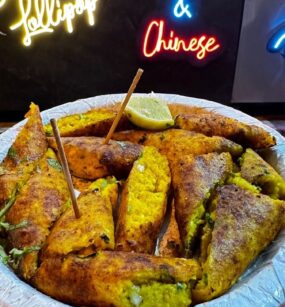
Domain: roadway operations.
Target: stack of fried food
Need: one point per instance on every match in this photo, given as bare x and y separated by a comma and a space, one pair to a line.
168, 218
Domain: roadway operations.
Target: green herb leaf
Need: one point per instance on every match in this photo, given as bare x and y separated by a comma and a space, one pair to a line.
180, 286
54, 163
4, 258
9, 227
12, 153
105, 238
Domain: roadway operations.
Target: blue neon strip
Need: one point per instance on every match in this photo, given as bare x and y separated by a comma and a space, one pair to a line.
277, 42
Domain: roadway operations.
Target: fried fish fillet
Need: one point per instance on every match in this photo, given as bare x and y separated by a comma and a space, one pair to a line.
93, 231
214, 124
258, 172
118, 279
96, 122
244, 223
29, 146
170, 244
39, 204
89, 158
175, 143
193, 179
143, 203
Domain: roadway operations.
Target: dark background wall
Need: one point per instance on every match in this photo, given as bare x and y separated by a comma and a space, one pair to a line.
102, 59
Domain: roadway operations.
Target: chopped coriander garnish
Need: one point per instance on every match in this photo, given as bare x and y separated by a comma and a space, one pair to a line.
54, 163
12, 153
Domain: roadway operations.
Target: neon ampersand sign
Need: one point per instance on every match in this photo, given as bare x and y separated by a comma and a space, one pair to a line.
181, 9
277, 42
43, 16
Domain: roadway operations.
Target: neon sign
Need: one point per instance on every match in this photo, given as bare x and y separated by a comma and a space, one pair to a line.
43, 16
159, 40
277, 42
181, 9
156, 41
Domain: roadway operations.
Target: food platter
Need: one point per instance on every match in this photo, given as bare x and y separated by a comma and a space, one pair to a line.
264, 281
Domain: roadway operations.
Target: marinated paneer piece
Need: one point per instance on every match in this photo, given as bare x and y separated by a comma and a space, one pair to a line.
93, 231
96, 122
214, 124
243, 224
39, 204
175, 143
90, 159
143, 203
260, 173
170, 244
194, 178
30, 145
118, 279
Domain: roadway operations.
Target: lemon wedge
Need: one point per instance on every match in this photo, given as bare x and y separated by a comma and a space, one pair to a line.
149, 113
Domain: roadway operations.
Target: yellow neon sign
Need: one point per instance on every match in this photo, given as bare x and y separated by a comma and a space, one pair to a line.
43, 16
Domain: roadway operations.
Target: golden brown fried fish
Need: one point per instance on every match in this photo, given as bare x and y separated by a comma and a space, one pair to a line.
29, 146
170, 244
244, 223
193, 179
143, 203
214, 124
118, 279
96, 122
175, 143
39, 204
89, 158
93, 231
258, 172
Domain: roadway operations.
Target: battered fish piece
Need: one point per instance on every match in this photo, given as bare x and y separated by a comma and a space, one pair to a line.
243, 224
170, 244
175, 143
39, 204
93, 231
118, 279
214, 124
89, 158
193, 179
96, 122
258, 172
30, 145
143, 203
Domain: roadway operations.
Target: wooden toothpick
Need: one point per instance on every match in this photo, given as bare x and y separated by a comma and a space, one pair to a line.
65, 167
124, 104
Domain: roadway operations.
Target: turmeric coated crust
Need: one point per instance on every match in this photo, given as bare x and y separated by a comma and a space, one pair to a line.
143, 203
170, 244
29, 146
93, 231
118, 279
96, 122
214, 124
245, 224
90, 159
39, 204
258, 172
175, 143
194, 178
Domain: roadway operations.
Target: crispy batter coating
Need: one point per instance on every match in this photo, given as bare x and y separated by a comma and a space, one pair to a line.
96, 122
93, 231
118, 279
193, 179
170, 244
29, 146
176, 109
245, 223
80, 184
175, 143
89, 158
40, 203
258, 172
143, 203
214, 124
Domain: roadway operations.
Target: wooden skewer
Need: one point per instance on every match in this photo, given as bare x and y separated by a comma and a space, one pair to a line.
123, 106
65, 167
